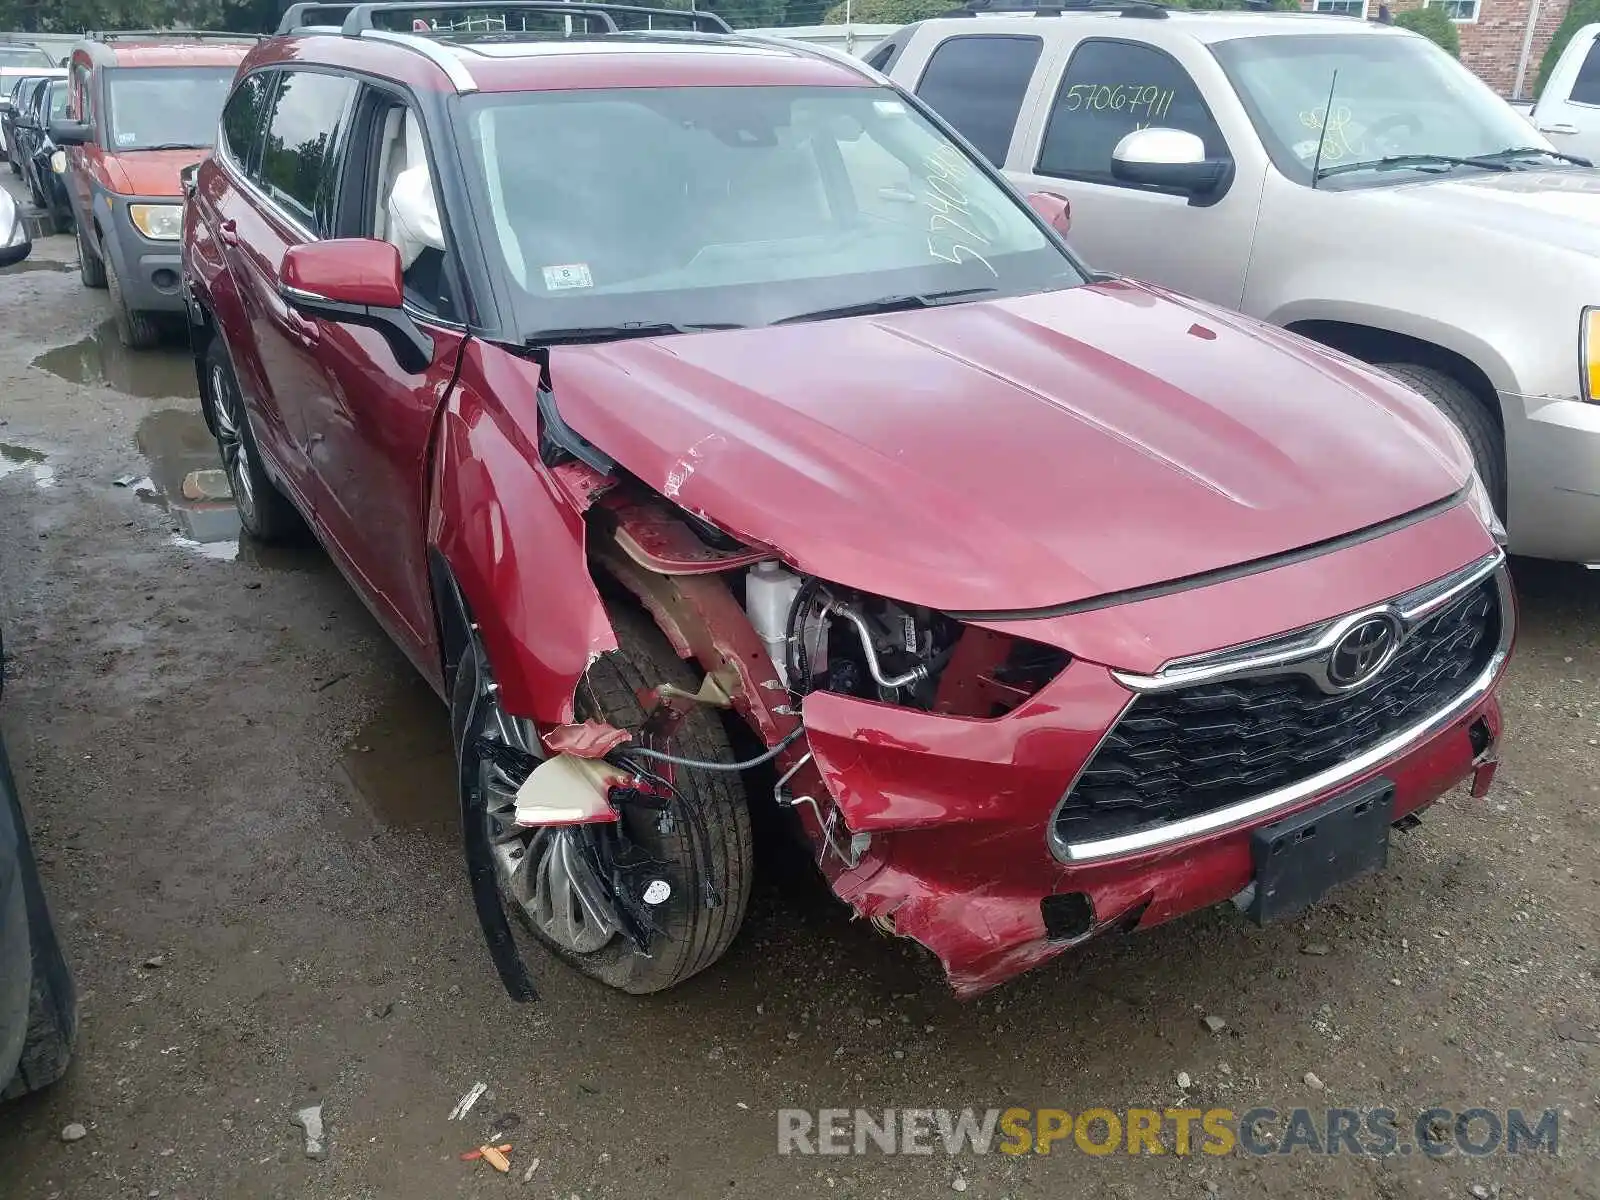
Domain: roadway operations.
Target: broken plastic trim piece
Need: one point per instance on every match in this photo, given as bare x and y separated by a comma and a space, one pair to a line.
568, 790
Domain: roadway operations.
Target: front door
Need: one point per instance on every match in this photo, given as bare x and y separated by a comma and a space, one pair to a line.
369, 429
1111, 87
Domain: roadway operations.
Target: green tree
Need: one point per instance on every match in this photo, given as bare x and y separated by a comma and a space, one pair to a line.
1435, 25
1582, 12
889, 12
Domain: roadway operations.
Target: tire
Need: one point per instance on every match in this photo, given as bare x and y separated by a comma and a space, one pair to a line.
690, 935
91, 269
136, 330
265, 513
1469, 416
47, 1050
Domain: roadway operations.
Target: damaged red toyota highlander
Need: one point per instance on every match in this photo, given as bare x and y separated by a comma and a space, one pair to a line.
714, 429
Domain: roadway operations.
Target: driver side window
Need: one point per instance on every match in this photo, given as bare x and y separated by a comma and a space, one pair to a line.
1110, 89
390, 194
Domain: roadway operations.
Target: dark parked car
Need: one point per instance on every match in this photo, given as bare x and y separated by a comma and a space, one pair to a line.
8, 118
18, 60
38, 1007
45, 101
668, 392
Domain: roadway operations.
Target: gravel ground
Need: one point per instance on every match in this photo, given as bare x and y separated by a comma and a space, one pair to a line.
241, 795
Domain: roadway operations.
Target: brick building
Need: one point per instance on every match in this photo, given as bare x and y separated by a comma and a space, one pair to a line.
1492, 32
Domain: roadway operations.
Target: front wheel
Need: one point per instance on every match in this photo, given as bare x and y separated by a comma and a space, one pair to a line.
1468, 414
136, 330
646, 902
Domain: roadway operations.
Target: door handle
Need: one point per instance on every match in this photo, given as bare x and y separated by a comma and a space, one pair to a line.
228, 232
1561, 130
303, 331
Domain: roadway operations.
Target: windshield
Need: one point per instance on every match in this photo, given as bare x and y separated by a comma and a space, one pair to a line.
740, 206
1394, 96
166, 106
24, 56
58, 96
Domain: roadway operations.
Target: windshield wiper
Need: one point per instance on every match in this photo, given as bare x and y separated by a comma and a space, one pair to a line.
628, 329
1519, 151
174, 146
886, 304
1413, 160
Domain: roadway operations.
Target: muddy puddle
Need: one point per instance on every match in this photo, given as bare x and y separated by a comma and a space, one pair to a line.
35, 266
20, 458
100, 360
185, 479
401, 762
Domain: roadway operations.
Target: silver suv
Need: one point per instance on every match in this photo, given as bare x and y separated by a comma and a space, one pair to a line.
1345, 179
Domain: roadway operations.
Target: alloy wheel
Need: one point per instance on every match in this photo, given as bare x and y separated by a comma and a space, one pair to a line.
231, 441
549, 873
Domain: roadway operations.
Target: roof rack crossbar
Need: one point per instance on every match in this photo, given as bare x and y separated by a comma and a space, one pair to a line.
359, 16
198, 35
294, 17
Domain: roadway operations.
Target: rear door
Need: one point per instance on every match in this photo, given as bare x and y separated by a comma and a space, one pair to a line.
1568, 112
978, 82
286, 201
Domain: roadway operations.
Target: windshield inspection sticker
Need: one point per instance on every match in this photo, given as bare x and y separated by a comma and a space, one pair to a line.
569, 275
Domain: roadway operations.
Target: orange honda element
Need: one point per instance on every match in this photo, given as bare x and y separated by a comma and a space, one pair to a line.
143, 107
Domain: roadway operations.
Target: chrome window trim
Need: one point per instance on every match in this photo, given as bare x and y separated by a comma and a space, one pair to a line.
1306, 655
460, 78
225, 157
1260, 806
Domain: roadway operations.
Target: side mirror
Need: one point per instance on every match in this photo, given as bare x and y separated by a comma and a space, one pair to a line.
356, 281
1167, 158
15, 242
1056, 210
64, 131
188, 177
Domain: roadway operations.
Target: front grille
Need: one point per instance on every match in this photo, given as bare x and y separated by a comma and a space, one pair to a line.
1181, 753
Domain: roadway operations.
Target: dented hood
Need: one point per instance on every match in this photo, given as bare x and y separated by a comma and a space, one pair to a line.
1015, 453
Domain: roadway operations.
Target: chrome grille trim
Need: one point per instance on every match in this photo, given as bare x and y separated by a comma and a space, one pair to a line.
1257, 807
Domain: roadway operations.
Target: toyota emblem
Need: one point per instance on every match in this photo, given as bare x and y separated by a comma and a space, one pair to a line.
1363, 651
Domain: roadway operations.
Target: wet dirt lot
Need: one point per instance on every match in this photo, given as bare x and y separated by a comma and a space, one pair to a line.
241, 795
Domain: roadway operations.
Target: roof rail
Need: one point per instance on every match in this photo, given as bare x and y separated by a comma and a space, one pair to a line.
198, 35
358, 17
1055, 8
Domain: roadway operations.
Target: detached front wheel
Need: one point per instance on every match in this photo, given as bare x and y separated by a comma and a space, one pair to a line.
641, 904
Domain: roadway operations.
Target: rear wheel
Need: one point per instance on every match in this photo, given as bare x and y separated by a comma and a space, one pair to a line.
587, 891
264, 512
1468, 415
90, 268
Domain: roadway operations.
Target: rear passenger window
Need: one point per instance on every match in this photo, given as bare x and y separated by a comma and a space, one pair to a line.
977, 83
1109, 90
1586, 87
300, 157
243, 118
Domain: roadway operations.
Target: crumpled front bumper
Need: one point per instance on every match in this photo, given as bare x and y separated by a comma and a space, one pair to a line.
970, 880
960, 814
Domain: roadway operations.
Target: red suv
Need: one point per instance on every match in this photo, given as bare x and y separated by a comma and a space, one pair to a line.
714, 429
